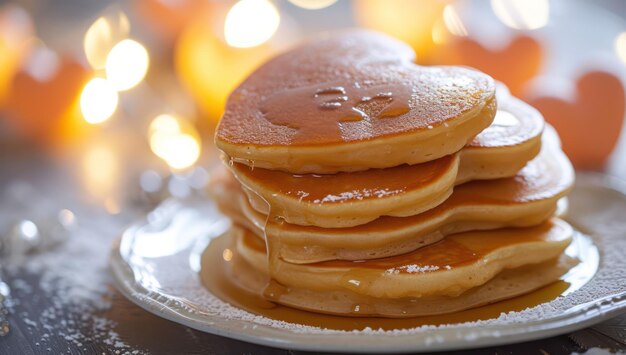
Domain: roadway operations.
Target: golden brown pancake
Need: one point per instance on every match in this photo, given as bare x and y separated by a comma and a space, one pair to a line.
352, 101
505, 285
350, 199
526, 199
438, 273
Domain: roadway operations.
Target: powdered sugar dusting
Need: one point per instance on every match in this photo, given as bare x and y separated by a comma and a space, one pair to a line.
67, 286
416, 269
357, 195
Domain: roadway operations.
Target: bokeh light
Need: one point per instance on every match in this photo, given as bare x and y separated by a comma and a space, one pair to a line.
102, 35
164, 123
179, 151
112, 206
522, 14
227, 254
101, 170
43, 63
408, 20
313, 4
28, 229
175, 141
250, 23
453, 22
98, 101
127, 64
210, 69
438, 33
150, 181
620, 46
67, 218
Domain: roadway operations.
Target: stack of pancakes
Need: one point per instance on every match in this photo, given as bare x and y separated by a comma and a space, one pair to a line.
362, 184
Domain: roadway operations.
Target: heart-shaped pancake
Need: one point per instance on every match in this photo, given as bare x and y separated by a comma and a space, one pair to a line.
350, 199
352, 101
527, 199
238, 278
440, 276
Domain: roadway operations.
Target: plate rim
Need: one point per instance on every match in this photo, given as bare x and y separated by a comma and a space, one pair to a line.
441, 339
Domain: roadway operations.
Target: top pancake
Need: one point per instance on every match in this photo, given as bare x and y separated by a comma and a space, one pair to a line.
349, 199
351, 101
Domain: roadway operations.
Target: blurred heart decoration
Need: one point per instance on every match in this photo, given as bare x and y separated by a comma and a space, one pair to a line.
42, 104
515, 64
590, 122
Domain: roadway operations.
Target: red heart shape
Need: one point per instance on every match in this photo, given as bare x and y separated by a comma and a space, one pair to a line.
589, 123
36, 107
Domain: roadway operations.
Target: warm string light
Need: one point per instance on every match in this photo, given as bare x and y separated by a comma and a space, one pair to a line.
175, 141
43, 63
101, 170
453, 22
98, 101
102, 36
438, 32
313, 4
125, 63
408, 20
250, 23
522, 14
620, 46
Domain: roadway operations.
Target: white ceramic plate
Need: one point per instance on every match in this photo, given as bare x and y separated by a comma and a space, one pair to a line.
156, 262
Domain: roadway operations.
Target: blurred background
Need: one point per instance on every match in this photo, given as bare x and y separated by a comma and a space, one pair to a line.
123, 96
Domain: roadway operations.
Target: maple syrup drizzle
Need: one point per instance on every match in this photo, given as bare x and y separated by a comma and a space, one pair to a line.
272, 248
368, 184
318, 110
219, 281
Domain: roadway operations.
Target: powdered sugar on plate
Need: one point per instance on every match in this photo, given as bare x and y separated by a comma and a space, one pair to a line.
59, 291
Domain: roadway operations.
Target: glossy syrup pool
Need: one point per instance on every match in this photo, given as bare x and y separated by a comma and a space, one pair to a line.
316, 111
215, 259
